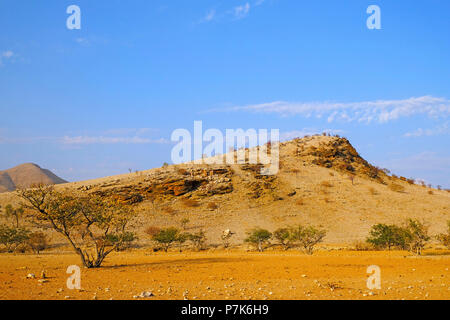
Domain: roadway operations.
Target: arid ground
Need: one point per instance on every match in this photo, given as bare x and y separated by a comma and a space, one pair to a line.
333, 274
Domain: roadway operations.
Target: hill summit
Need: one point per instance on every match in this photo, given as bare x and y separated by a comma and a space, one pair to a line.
25, 175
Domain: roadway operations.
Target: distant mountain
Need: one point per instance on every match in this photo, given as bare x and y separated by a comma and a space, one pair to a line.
25, 175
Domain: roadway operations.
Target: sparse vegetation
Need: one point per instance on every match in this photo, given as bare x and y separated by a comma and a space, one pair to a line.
326, 184
259, 238
166, 237
37, 241
413, 236
307, 237
190, 203
396, 187
444, 238
212, 206
417, 236
198, 240
384, 236
283, 236
184, 223
88, 222
14, 213
12, 238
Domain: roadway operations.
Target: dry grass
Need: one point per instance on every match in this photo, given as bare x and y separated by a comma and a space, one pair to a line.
212, 206
326, 184
396, 187
190, 203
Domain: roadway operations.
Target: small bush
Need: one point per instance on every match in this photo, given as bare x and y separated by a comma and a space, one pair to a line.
190, 203
373, 191
123, 240
258, 237
444, 238
326, 184
283, 236
384, 236
38, 242
198, 240
13, 238
396, 187
362, 246
300, 202
170, 210
152, 231
417, 236
430, 192
307, 237
212, 206
166, 237
184, 223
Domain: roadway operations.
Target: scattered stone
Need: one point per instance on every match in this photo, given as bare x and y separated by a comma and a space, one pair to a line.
31, 276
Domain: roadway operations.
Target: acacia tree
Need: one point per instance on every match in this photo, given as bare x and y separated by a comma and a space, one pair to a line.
283, 236
258, 237
14, 213
444, 238
198, 239
417, 236
387, 236
307, 237
12, 238
93, 226
166, 237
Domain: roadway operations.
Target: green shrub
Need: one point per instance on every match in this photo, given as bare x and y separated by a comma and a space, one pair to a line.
37, 241
12, 237
417, 236
198, 240
384, 236
444, 238
283, 236
122, 241
307, 237
166, 237
258, 237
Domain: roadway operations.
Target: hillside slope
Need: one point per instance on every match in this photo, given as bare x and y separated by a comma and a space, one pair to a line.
313, 186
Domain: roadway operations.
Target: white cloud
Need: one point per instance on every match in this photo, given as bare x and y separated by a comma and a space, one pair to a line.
6, 55
242, 11
367, 111
210, 15
440, 130
79, 140
82, 41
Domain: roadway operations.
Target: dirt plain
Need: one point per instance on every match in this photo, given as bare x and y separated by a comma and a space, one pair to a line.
233, 275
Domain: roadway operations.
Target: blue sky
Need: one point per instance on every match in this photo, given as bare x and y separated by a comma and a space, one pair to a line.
94, 102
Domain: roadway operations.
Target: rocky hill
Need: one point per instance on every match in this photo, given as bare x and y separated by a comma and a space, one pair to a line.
322, 181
